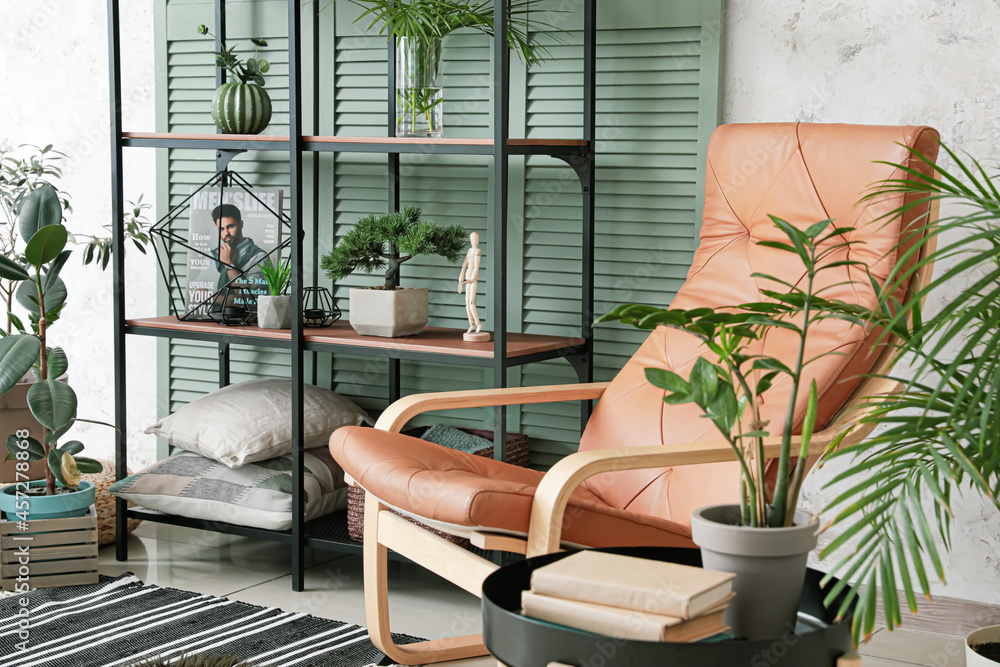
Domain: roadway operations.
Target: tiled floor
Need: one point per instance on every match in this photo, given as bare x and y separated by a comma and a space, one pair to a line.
421, 603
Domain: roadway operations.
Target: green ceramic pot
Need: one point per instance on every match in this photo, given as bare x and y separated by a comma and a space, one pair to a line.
63, 506
241, 108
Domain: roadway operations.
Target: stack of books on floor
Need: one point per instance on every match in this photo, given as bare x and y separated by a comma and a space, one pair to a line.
630, 598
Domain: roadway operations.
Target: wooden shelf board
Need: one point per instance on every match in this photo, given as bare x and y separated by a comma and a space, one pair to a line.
434, 340
447, 141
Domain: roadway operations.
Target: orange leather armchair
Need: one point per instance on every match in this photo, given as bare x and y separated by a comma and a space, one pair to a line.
643, 465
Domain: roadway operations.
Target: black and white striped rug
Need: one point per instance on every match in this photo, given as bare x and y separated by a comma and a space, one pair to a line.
122, 620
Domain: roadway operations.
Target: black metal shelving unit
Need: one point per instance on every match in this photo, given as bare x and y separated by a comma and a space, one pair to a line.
506, 351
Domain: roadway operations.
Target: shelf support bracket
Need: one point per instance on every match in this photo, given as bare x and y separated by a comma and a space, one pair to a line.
224, 157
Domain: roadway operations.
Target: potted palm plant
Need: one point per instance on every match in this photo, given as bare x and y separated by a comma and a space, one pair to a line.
386, 242
241, 106
274, 309
941, 435
52, 403
419, 26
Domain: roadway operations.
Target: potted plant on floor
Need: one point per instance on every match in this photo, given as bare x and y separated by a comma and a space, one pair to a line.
21, 171
386, 242
53, 403
419, 26
941, 435
764, 541
241, 106
274, 309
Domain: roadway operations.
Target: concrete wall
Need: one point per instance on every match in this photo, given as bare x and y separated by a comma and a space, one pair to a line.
921, 62
914, 61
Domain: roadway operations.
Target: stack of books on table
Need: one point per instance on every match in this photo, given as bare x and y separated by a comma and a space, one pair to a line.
631, 598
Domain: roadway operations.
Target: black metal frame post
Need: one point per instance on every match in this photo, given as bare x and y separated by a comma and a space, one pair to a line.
118, 272
295, 259
587, 182
498, 253
395, 367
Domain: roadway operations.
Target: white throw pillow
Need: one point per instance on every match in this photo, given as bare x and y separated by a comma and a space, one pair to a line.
252, 421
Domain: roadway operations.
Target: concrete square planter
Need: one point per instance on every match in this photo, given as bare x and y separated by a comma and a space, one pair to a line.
389, 313
274, 312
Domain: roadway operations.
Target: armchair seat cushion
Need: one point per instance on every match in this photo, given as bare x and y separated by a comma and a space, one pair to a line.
452, 487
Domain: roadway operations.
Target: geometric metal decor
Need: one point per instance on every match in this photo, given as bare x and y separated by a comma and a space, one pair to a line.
216, 241
319, 308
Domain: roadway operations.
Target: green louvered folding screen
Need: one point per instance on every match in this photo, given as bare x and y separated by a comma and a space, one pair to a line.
657, 102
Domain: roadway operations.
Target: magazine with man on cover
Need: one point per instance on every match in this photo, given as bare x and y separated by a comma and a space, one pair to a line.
232, 232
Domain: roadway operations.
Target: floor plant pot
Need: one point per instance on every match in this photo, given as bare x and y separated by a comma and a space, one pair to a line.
419, 96
389, 313
61, 506
769, 564
274, 312
241, 108
986, 640
14, 416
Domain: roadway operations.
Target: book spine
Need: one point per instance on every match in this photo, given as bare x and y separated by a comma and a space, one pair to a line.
655, 600
611, 623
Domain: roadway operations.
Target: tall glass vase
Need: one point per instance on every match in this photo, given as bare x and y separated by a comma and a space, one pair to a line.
419, 97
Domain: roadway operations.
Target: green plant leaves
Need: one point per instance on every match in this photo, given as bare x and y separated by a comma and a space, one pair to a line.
55, 295
54, 461
11, 270
88, 466
39, 209
53, 404
35, 450
17, 355
46, 244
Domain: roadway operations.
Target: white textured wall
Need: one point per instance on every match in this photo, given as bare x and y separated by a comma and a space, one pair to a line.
54, 89
914, 61
922, 62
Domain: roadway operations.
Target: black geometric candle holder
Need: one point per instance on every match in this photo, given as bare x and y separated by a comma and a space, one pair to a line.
319, 308
235, 305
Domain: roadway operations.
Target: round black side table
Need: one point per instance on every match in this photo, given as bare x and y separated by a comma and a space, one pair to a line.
519, 641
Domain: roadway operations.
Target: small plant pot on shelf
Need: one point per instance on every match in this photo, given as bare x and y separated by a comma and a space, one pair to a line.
274, 312
982, 647
59, 506
769, 564
241, 108
389, 313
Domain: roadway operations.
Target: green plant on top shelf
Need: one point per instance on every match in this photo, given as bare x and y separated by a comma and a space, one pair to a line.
277, 277
252, 71
427, 19
43, 294
380, 241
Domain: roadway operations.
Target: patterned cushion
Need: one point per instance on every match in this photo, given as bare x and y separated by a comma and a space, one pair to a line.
256, 494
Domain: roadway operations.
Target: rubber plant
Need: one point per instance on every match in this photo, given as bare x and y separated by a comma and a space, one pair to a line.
726, 390
387, 241
43, 294
940, 436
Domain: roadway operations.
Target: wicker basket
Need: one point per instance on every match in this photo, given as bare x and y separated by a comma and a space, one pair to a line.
104, 503
518, 454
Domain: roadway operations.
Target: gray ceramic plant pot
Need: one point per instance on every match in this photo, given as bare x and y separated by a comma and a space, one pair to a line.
988, 635
389, 313
769, 564
274, 312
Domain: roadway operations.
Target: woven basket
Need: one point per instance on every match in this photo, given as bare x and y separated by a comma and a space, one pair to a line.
518, 454
104, 503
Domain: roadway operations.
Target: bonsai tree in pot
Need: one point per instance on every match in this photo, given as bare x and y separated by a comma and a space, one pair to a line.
53, 403
274, 309
241, 106
941, 435
727, 392
385, 242
419, 26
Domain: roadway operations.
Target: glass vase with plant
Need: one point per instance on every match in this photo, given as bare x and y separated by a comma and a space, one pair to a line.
419, 26
43, 294
241, 106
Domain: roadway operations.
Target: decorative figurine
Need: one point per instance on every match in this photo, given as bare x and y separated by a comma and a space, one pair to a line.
469, 276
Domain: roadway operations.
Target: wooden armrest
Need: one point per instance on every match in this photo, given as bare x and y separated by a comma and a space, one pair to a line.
408, 407
558, 484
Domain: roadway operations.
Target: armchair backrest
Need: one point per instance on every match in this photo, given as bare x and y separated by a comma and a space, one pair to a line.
802, 173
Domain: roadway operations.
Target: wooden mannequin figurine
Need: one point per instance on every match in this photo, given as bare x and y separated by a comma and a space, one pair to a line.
469, 276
